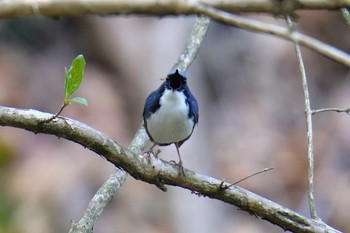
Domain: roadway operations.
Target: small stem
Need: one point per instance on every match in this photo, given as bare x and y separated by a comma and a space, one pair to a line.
56, 115
308, 115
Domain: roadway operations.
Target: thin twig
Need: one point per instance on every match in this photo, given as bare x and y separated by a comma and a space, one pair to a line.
340, 110
308, 115
223, 186
254, 174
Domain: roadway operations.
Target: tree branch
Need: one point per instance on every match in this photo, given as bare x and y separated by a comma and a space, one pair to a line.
106, 192
98, 202
309, 132
346, 110
193, 43
216, 9
49, 8
159, 172
259, 26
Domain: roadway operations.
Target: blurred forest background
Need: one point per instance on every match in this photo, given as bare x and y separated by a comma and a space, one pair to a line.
251, 117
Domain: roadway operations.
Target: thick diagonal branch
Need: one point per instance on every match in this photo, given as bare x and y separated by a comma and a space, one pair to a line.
159, 172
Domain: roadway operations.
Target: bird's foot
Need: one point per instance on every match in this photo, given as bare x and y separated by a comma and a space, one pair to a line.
181, 168
149, 153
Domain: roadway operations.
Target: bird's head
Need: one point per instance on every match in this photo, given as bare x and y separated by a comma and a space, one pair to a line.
176, 79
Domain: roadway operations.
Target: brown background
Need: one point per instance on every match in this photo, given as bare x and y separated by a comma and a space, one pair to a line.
251, 117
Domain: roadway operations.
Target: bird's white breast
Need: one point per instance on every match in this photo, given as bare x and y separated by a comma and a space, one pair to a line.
170, 123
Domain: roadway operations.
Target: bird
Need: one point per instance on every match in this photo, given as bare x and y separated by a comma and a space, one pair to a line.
171, 113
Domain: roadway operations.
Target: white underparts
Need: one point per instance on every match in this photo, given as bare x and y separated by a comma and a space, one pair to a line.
170, 123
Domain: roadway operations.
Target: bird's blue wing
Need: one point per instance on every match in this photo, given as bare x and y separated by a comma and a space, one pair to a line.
193, 105
152, 102
193, 111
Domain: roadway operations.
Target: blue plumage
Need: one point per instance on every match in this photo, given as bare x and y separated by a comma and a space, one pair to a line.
171, 112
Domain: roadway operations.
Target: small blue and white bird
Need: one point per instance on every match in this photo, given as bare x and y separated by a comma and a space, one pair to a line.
171, 113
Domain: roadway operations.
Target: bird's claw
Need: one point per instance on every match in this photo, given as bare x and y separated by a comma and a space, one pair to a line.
181, 168
147, 155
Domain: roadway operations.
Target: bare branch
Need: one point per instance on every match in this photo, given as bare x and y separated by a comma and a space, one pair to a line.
216, 9
106, 192
258, 26
159, 171
346, 110
49, 8
309, 132
98, 202
222, 186
193, 44
254, 174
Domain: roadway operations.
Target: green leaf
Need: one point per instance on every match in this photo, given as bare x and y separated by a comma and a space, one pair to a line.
66, 96
74, 76
80, 100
